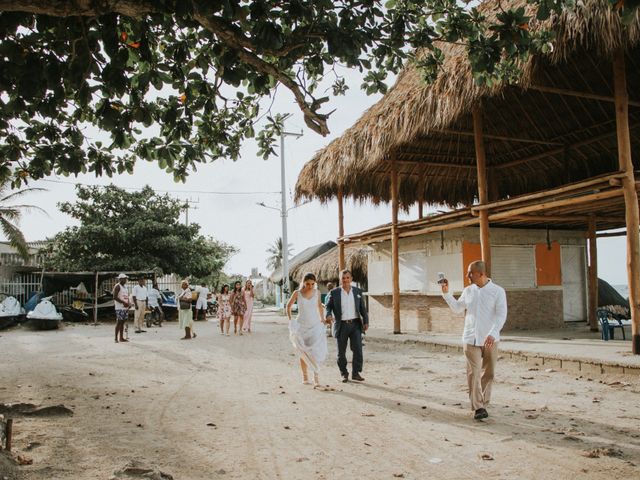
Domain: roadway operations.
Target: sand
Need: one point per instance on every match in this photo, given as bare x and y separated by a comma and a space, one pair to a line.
235, 408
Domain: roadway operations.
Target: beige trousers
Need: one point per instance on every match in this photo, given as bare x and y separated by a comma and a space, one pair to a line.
138, 319
481, 365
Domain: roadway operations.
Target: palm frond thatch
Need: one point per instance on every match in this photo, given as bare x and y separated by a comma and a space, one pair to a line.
534, 138
325, 267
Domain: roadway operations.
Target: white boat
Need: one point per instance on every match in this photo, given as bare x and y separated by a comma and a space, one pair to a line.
10, 312
45, 316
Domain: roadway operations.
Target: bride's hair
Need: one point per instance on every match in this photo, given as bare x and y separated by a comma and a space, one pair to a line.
309, 276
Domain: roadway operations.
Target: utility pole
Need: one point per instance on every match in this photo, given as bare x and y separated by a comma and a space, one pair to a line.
186, 207
283, 213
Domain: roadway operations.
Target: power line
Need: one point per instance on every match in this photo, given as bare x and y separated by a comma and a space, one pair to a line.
203, 192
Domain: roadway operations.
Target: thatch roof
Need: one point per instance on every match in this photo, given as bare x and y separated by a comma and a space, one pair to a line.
303, 257
534, 139
325, 267
607, 295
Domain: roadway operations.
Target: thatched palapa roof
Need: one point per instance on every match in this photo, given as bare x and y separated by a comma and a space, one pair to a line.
303, 257
555, 127
325, 267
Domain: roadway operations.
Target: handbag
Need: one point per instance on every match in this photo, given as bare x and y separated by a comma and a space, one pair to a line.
185, 304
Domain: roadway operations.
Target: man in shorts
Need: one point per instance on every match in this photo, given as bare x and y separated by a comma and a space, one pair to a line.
201, 304
121, 302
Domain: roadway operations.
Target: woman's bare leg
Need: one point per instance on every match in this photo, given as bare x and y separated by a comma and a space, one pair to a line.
222, 325
227, 324
305, 374
235, 324
240, 322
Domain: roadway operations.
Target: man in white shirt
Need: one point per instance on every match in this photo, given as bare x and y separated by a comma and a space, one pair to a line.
140, 295
201, 303
486, 311
154, 300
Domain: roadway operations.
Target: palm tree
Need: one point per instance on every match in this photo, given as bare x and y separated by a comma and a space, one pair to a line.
10, 217
275, 250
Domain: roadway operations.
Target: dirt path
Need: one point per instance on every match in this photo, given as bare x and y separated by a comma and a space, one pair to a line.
234, 407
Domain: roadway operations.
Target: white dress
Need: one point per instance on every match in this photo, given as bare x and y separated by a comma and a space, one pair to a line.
307, 332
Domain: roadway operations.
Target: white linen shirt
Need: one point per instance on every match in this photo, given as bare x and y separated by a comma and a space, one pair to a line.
153, 295
486, 311
139, 292
348, 304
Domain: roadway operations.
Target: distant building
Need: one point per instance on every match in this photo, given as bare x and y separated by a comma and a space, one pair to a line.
9, 256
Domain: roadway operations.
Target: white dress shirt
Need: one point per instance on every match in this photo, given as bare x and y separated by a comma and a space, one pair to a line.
486, 311
348, 304
140, 292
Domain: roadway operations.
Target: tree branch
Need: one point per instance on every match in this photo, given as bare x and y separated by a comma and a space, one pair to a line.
83, 8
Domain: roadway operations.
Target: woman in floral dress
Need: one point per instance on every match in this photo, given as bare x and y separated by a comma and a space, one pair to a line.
238, 307
224, 309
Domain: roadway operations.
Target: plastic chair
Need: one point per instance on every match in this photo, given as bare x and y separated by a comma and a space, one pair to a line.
608, 325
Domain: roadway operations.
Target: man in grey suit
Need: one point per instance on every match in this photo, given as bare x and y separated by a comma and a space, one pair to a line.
345, 307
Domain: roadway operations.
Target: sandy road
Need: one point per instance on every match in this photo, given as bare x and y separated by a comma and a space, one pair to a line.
234, 407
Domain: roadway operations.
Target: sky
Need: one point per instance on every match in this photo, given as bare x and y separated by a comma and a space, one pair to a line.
225, 195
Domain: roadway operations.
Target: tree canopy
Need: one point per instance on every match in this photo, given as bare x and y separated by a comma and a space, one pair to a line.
121, 230
195, 70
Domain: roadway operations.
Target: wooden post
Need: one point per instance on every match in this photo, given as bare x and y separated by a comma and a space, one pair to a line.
8, 433
481, 162
593, 275
341, 261
630, 194
395, 256
95, 302
421, 202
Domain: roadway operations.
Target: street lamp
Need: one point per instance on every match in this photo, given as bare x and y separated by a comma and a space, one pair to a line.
284, 210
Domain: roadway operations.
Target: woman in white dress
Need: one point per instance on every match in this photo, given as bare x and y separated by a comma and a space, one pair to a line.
307, 330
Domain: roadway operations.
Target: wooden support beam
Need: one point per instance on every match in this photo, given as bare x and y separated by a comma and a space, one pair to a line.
565, 218
574, 93
395, 252
592, 182
498, 137
630, 195
593, 276
557, 151
612, 234
483, 196
341, 261
418, 163
539, 207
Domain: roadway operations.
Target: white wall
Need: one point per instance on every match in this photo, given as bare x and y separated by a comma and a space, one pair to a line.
422, 257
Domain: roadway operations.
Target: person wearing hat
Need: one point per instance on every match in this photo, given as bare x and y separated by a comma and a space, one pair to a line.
121, 302
185, 314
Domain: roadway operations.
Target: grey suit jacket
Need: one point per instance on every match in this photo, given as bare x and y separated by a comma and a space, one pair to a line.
333, 307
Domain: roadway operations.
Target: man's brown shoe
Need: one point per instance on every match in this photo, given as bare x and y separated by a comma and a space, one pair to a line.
356, 376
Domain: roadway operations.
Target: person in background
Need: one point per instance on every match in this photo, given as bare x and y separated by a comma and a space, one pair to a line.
201, 303
154, 300
140, 304
121, 303
248, 300
485, 304
185, 314
330, 286
238, 307
224, 309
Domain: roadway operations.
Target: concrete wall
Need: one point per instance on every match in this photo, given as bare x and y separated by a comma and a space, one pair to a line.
528, 309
